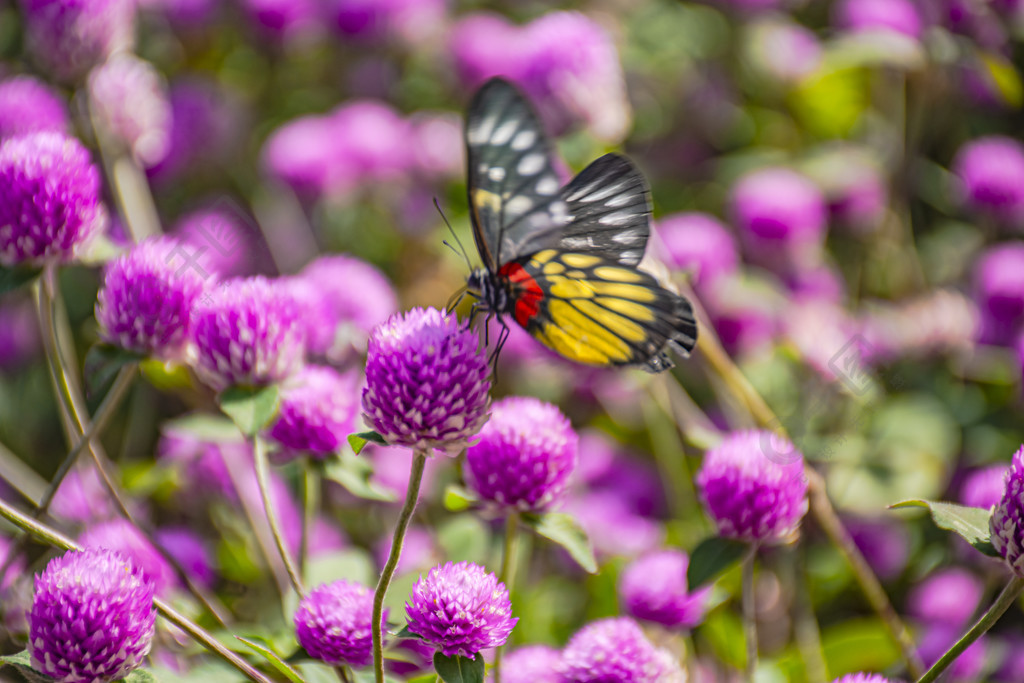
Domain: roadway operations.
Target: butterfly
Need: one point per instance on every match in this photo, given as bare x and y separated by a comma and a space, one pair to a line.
562, 261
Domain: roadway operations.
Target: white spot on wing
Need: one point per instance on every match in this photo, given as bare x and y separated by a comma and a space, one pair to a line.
626, 236
517, 206
548, 185
523, 140
481, 132
504, 132
496, 174
617, 218
531, 164
619, 200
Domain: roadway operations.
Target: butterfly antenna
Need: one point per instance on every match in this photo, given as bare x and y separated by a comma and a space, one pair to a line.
469, 264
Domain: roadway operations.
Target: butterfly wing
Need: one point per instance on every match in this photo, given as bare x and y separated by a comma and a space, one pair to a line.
595, 311
512, 185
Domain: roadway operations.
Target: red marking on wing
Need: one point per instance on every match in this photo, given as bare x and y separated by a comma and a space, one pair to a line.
528, 294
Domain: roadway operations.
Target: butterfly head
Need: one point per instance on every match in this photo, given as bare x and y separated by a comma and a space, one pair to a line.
491, 296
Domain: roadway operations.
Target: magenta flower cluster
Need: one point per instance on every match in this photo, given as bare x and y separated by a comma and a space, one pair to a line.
1007, 521
333, 623
616, 649
92, 618
460, 609
318, 411
653, 588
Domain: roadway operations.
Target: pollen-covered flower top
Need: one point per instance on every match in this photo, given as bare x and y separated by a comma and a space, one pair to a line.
92, 618
426, 381
333, 623
51, 204
247, 332
460, 609
147, 298
524, 455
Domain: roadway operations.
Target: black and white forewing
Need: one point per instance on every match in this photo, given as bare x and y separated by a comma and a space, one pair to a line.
513, 188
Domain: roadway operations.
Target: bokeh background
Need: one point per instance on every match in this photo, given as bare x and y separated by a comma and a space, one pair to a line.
840, 184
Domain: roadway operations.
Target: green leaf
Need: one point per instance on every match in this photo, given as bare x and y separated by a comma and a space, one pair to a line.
425, 678
141, 676
711, 557
406, 634
354, 474
22, 661
358, 441
260, 647
970, 523
102, 363
13, 278
458, 498
251, 408
22, 658
459, 669
564, 530
464, 538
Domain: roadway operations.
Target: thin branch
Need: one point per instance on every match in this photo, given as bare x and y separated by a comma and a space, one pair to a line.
263, 481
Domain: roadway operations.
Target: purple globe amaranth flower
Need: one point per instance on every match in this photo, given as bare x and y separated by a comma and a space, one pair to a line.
123, 537
884, 543
92, 618
615, 649
854, 185
19, 332
391, 470
147, 297
334, 621
1007, 521
204, 455
531, 664
524, 455
999, 292
460, 609
82, 497
298, 154
653, 588
219, 241
247, 332
991, 174
781, 216
318, 411
899, 16
129, 100
613, 526
983, 487
784, 50
753, 487
426, 381
949, 596
746, 310
437, 145
51, 203
345, 298
69, 37
190, 552
698, 243
411, 21
485, 45
27, 105
284, 19
862, 678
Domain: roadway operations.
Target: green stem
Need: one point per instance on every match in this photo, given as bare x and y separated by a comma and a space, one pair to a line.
310, 503
750, 613
711, 348
412, 495
508, 574
59, 540
102, 417
988, 619
263, 481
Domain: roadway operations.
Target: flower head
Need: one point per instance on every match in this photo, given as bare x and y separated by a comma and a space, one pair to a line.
123, 537
783, 50
82, 497
147, 298
532, 664
615, 649
69, 37
318, 411
780, 206
753, 486
653, 588
614, 526
247, 332
899, 16
51, 202
460, 609
189, 551
218, 242
333, 623
524, 455
92, 618
884, 543
999, 292
27, 105
204, 127
983, 487
862, 678
19, 332
949, 597
426, 381
698, 243
1007, 521
991, 173
129, 99
409, 20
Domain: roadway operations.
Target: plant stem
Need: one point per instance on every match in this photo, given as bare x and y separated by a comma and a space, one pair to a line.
820, 505
750, 613
412, 495
310, 503
508, 574
263, 481
59, 540
103, 414
988, 619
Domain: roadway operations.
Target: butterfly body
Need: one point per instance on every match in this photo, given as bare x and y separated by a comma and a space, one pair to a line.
561, 261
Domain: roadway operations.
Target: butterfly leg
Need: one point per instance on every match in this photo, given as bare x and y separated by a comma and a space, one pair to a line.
502, 338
